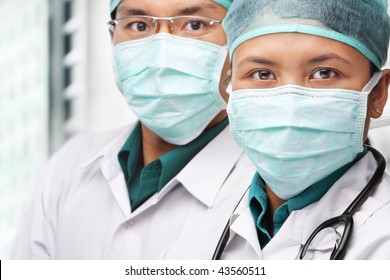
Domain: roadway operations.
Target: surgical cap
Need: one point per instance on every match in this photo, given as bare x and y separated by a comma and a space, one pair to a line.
225, 3
362, 24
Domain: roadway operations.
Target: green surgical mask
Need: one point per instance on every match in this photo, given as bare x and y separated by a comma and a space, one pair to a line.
297, 136
171, 83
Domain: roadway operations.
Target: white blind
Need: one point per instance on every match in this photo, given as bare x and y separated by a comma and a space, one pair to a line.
69, 69
23, 107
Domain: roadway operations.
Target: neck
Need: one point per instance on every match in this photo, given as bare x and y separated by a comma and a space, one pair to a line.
218, 118
274, 202
153, 146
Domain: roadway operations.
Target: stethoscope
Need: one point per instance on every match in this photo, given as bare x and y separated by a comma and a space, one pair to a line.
346, 218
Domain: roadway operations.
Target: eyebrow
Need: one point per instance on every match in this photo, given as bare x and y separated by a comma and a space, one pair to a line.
258, 60
328, 56
318, 59
131, 11
185, 11
196, 9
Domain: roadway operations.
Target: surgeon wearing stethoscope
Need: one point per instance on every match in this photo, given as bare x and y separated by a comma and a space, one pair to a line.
305, 84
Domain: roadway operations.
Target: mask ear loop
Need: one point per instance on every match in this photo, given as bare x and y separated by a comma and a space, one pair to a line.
383, 121
372, 82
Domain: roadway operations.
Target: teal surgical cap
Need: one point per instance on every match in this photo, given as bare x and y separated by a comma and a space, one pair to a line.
362, 24
225, 3
114, 4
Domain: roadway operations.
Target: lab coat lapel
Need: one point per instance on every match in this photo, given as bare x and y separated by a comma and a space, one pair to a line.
300, 224
117, 183
285, 245
210, 178
242, 224
205, 180
205, 174
112, 171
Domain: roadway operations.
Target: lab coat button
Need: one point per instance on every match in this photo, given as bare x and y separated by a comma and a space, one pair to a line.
129, 224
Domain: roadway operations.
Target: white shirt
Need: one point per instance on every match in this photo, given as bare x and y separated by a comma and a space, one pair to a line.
371, 231
81, 207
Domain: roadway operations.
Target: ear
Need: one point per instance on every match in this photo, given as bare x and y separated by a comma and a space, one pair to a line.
111, 30
379, 95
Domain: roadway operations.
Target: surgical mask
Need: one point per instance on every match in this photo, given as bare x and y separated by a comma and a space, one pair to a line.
296, 136
171, 83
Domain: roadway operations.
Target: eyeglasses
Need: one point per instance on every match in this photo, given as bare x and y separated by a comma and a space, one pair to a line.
138, 27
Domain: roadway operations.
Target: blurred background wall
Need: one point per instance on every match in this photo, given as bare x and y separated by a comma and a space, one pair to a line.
56, 80
24, 103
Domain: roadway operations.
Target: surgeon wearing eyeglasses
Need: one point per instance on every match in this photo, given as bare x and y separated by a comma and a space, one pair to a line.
173, 177
306, 81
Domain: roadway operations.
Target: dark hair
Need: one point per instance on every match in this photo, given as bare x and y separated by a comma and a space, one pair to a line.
373, 68
113, 14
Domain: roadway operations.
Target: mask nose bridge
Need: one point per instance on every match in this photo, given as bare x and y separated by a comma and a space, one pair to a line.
161, 50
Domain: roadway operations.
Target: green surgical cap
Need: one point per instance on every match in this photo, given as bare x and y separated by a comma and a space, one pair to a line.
114, 4
362, 24
225, 3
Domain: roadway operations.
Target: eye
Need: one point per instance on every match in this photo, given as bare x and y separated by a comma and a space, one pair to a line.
263, 75
138, 26
324, 74
194, 25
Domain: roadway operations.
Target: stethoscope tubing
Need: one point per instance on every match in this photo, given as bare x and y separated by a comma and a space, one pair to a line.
226, 234
374, 181
346, 217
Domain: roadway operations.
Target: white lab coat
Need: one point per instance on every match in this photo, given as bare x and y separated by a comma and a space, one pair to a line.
81, 208
371, 233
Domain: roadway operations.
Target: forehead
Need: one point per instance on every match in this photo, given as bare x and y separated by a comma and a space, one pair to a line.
167, 8
289, 47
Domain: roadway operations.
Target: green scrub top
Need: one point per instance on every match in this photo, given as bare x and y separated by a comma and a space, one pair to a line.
258, 201
144, 181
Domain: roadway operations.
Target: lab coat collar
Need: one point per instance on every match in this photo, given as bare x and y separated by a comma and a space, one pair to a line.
111, 149
242, 224
205, 174
110, 167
